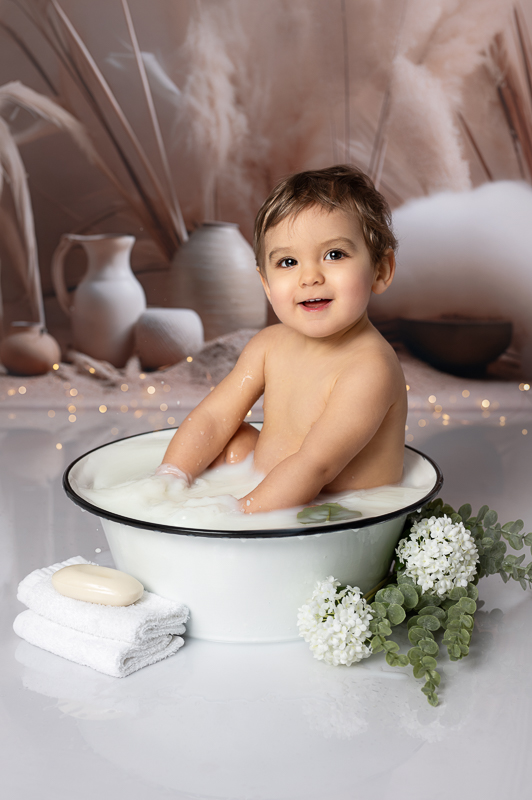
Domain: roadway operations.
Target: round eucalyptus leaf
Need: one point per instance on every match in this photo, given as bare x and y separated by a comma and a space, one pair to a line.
390, 594
454, 612
457, 592
391, 647
396, 660
429, 647
472, 591
513, 527
406, 580
490, 518
498, 549
435, 677
434, 610
326, 512
429, 662
464, 636
428, 600
373, 625
482, 513
415, 654
410, 596
515, 541
454, 625
465, 511
396, 613
379, 610
415, 634
430, 622
384, 628
467, 605
419, 670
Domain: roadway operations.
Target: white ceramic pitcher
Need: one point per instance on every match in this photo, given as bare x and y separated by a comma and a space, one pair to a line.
108, 301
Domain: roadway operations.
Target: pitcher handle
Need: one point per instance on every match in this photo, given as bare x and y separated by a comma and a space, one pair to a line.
58, 274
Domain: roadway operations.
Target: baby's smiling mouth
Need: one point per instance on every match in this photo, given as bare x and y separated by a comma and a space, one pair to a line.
316, 304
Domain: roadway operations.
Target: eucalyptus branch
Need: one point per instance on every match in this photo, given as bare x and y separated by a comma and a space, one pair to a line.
433, 588
427, 614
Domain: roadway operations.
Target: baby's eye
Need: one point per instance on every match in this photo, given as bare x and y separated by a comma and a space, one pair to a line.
288, 262
334, 255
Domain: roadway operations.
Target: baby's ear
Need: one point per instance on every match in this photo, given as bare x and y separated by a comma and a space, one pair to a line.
264, 285
384, 272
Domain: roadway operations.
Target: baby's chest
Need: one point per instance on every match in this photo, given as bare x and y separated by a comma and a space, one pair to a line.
295, 399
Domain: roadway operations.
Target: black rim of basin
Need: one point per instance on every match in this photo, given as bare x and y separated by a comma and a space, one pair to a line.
304, 530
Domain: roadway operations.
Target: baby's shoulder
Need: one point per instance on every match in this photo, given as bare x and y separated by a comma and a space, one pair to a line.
376, 356
259, 346
269, 337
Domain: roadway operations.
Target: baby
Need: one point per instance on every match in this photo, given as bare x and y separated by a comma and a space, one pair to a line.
334, 393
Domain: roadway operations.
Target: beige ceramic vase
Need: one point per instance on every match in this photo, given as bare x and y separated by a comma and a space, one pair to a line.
29, 350
108, 301
214, 273
165, 336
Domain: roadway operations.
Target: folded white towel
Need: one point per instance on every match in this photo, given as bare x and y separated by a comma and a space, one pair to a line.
149, 616
110, 656
116, 640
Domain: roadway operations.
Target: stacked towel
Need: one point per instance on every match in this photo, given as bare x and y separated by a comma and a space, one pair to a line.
116, 640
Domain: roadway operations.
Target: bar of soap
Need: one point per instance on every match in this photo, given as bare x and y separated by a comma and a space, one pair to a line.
95, 584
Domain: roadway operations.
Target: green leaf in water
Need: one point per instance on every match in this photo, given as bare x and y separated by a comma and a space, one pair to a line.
326, 512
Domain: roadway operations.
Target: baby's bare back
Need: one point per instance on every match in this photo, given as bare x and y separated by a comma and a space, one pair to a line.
299, 382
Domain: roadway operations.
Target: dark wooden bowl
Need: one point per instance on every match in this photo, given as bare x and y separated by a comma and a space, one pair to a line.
460, 346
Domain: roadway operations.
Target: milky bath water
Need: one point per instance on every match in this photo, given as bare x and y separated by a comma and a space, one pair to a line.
210, 503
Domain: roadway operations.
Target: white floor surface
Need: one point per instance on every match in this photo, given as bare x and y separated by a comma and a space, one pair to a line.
261, 722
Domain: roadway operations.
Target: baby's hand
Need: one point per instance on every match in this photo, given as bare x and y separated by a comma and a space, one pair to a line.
171, 469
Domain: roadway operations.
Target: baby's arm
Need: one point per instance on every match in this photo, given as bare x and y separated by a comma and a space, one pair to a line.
354, 412
208, 428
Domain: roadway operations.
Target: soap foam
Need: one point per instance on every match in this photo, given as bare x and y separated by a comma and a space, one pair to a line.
210, 503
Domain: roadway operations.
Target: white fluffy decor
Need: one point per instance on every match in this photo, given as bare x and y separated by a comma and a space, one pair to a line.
466, 253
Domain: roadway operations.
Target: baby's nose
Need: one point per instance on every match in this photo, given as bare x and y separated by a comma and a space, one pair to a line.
310, 275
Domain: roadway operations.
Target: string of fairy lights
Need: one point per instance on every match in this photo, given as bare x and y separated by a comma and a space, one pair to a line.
487, 408
135, 406
442, 411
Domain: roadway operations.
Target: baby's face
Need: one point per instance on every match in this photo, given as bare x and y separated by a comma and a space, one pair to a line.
319, 272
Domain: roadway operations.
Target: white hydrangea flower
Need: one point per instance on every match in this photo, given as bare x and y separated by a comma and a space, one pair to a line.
439, 554
336, 623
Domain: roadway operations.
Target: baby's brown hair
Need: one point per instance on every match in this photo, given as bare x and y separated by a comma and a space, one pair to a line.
340, 187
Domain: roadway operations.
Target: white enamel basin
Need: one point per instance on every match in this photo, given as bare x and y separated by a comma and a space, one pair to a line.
241, 587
